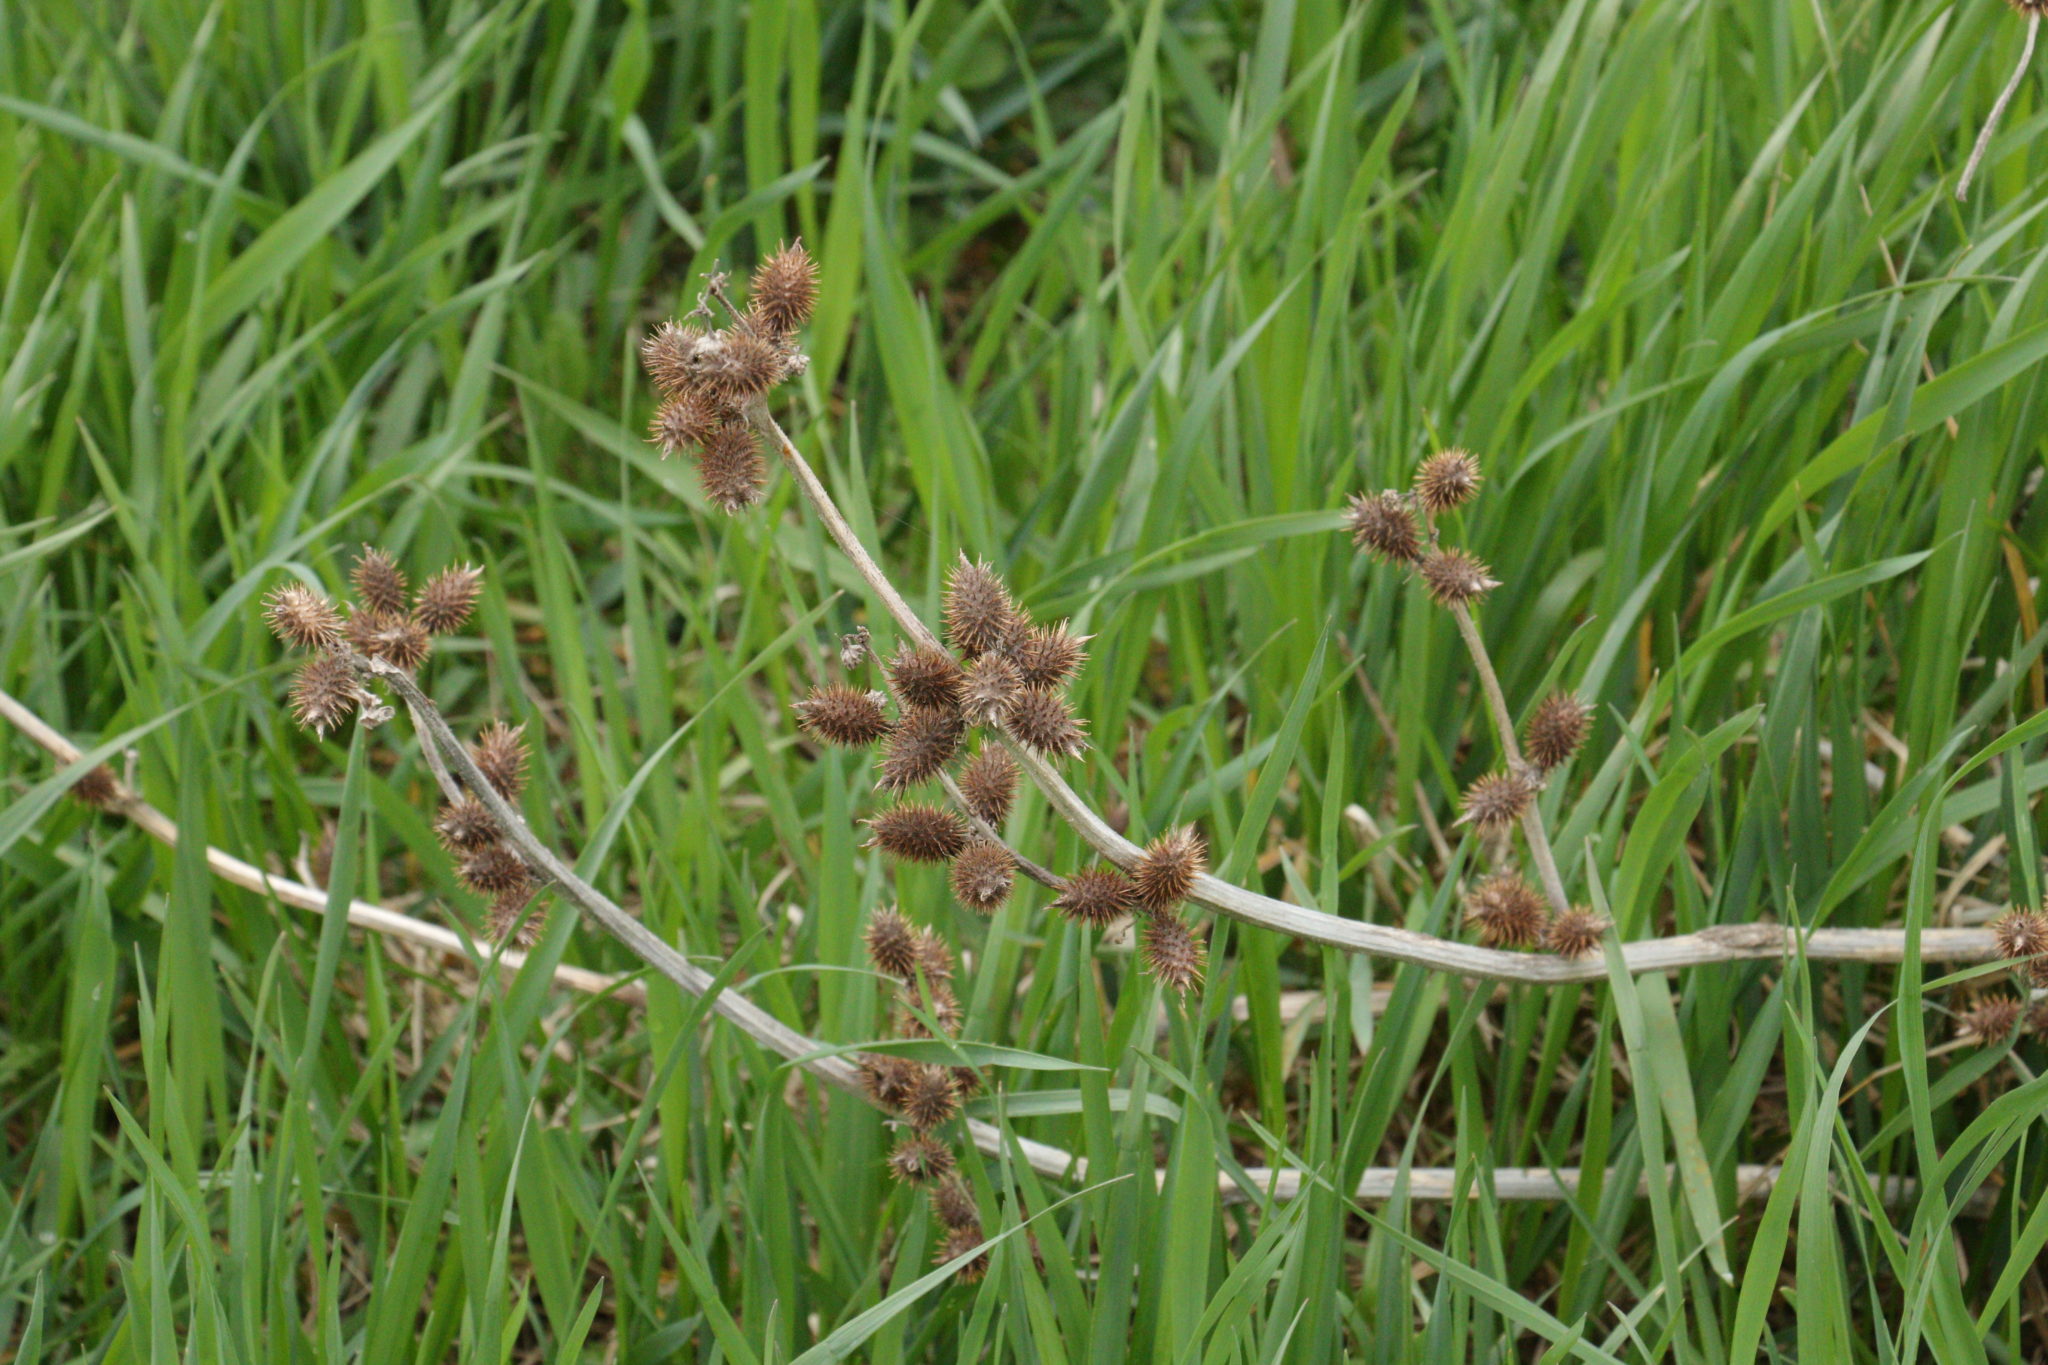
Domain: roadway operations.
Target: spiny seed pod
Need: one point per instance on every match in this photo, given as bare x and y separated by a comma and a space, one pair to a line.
979, 613
302, 618
953, 1204
929, 1098
843, 715
1506, 911
1040, 719
1046, 656
992, 680
958, 1242
939, 1004
387, 635
934, 958
784, 290
989, 782
924, 741
886, 1077
96, 787
1447, 479
1555, 730
449, 597
2020, 933
495, 870
323, 694
919, 834
465, 826
1991, 1019
1497, 800
730, 468
854, 646
739, 364
983, 876
687, 421
920, 1160
1452, 577
1167, 872
501, 753
508, 920
1575, 932
891, 943
1096, 896
966, 1081
669, 354
923, 676
1382, 525
1172, 952
378, 582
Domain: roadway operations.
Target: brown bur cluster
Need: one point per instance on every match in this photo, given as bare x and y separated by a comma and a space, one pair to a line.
1006, 677
709, 377
1399, 528
389, 623
925, 1096
1994, 1015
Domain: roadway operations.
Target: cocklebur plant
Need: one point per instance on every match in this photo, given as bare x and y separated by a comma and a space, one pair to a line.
387, 627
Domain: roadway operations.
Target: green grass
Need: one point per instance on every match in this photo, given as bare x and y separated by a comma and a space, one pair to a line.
1125, 298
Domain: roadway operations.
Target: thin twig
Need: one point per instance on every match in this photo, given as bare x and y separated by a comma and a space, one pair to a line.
1533, 831
2012, 86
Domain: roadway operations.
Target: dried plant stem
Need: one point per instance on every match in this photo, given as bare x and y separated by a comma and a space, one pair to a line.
1533, 830
1375, 1183
1998, 109
1724, 943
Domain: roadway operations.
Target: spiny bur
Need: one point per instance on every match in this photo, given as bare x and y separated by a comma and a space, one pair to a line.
397, 638
1575, 932
1556, 729
495, 870
1166, 874
448, 598
501, 753
96, 787
1507, 912
842, 715
923, 676
509, 920
959, 1242
929, 1098
1497, 800
924, 741
983, 876
730, 468
1454, 577
1446, 480
1991, 1019
302, 618
379, 584
1172, 952
979, 613
784, 291
1096, 896
1382, 525
989, 782
953, 1204
920, 1159
1046, 656
465, 826
1041, 720
919, 833
992, 681
891, 943
323, 694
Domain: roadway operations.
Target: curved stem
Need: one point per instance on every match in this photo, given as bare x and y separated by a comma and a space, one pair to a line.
2012, 86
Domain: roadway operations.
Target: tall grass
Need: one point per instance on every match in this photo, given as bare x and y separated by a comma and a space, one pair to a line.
1125, 298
